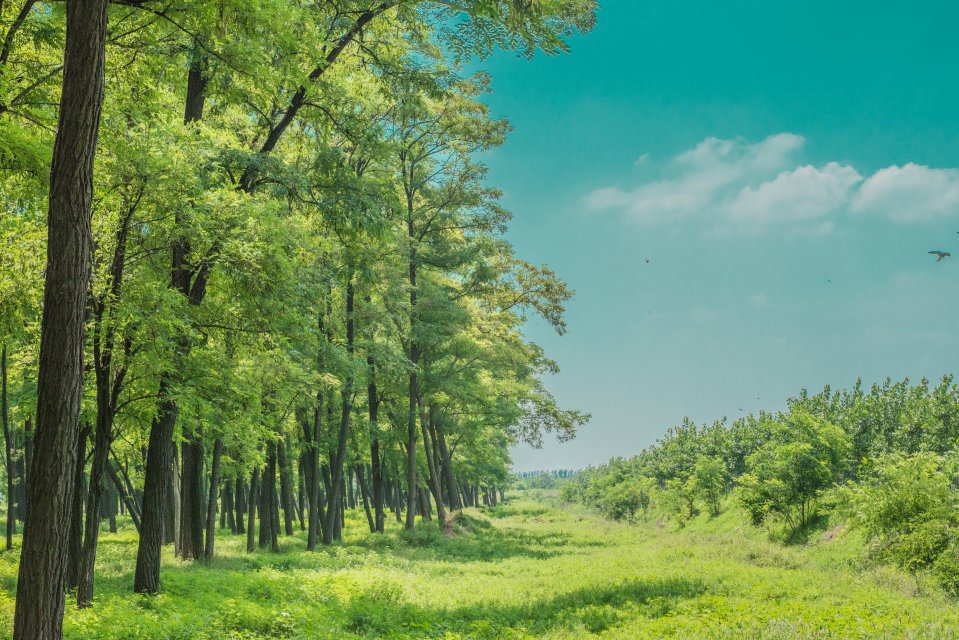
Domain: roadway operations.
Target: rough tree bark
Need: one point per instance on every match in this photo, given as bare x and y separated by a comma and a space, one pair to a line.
40, 585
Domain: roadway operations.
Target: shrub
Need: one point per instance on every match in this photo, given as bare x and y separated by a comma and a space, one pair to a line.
709, 481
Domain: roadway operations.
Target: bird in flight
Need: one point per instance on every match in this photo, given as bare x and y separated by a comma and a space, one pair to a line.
940, 255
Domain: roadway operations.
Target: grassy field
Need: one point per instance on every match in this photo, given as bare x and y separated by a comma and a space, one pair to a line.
527, 569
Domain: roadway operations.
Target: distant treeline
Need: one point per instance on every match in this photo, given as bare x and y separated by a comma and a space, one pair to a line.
881, 458
554, 473
542, 479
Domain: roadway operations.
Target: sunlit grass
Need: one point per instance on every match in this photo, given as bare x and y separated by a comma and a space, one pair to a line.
523, 570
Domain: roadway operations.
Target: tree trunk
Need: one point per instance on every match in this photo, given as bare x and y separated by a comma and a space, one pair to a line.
337, 462
240, 503
301, 494
125, 498
251, 512
229, 515
452, 492
192, 503
157, 478
268, 535
364, 494
40, 585
376, 466
433, 476
286, 487
313, 472
211, 501
27, 459
8, 459
101, 451
75, 542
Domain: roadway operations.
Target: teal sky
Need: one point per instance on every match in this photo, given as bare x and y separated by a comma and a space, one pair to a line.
752, 151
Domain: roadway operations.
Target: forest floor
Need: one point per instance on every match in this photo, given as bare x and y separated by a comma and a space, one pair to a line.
526, 569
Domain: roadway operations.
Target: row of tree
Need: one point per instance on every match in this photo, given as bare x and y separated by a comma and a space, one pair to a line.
284, 291
883, 458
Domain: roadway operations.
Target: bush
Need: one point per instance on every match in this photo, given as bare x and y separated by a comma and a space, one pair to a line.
623, 501
679, 500
905, 504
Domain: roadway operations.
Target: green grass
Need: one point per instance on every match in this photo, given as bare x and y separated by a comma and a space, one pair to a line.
522, 570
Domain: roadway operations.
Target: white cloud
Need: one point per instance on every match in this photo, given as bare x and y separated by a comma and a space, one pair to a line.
752, 186
912, 193
803, 193
703, 175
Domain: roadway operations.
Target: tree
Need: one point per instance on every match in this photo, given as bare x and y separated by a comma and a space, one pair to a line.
709, 478
787, 474
39, 610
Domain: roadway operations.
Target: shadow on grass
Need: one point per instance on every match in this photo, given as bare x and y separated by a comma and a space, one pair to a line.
592, 609
801, 535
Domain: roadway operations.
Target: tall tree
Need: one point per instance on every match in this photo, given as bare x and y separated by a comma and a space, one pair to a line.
40, 599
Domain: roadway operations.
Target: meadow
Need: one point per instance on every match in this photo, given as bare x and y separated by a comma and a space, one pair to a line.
529, 568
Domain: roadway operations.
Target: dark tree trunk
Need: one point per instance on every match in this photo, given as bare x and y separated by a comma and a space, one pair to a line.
301, 494
251, 499
8, 459
337, 462
268, 535
364, 493
286, 487
229, 513
75, 542
426, 511
40, 585
192, 503
398, 501
101, 451
376, 466
211, 501
433, 479
240, 500
157, 478
350, 493
452, 492
27, 462
171, 504
311, 434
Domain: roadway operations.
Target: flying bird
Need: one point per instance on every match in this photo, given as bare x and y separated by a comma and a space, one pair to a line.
940, 255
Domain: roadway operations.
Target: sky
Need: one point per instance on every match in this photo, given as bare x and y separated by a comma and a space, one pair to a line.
743, 195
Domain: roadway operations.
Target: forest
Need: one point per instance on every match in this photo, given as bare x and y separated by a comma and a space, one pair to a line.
253, 276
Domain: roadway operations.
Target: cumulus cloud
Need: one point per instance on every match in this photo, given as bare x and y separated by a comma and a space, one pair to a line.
702, 176
912, 193
803, 193
754, 185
